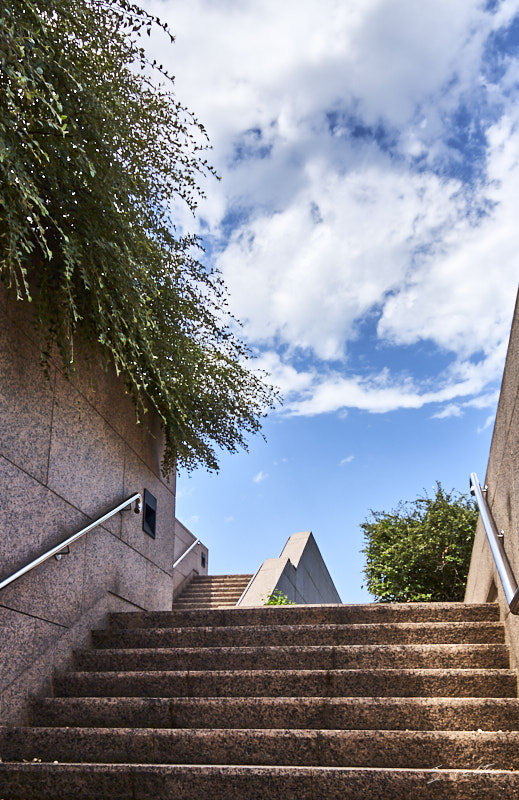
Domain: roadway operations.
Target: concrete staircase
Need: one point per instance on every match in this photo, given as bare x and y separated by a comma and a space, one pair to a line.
400, 702
212, 591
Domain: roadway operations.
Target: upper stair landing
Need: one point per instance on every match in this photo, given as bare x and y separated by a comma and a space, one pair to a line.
212, 591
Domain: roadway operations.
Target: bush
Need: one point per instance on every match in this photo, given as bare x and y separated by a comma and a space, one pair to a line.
420, 551
277, 598
94, 149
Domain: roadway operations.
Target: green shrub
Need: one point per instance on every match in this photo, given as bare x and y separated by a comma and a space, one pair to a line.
420, 551
277, 598
94, 148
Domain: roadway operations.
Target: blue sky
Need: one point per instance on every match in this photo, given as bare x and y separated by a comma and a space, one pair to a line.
366, 225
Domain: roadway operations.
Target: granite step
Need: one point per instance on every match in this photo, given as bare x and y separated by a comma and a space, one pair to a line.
214, 586
207, 596
212, 591
290, 683
399, 701
299, 635
312, 713
141, 781
278, 747
311, 615
440, 656
208, 605
220, 586
209, 590
245, 578
206, 592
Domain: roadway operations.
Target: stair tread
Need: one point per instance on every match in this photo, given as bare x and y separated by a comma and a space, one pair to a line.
140, 781
320, 747
397, 649
343, 702
390, 670
395, 713
304, 656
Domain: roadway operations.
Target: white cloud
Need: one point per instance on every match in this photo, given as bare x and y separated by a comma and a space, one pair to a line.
260, 477
305, 282
450, 410
488, 422
319, 392
346, 460
243, 65
376, 394
457, 409
462, 296
285, 376
328, 226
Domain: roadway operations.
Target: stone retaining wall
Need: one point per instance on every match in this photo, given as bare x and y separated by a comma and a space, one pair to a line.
70, 450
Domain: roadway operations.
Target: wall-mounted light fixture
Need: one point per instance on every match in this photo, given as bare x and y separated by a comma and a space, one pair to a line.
149, 518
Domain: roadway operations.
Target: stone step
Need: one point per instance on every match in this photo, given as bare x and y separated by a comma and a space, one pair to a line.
443, 656
141, 781
211, 583
207, 597
212, 591
209, 604
222, 579
377, 701
290, 683
292, 635
191, 597
285, 747
204, 591
214, 586
311, 615
346, 713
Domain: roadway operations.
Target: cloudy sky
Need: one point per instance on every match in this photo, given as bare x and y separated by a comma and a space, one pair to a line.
367, 227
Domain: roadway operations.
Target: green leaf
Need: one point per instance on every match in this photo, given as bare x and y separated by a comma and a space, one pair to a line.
93, 153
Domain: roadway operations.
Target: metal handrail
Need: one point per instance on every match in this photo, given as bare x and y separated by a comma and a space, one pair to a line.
136, 498
186, 552
504, 569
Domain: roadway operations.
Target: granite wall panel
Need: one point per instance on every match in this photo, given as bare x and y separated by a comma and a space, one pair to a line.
70, 450
86, 464
26, 397
53, 648
105, 391
158, 588
192, 564
22, 534
16, 653
138, 476
502, 479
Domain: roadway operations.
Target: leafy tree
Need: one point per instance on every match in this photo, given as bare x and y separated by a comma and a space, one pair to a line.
94, 149
421, 550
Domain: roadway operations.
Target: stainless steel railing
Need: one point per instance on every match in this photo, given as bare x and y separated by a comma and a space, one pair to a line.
495, 540
186, 552
55, 551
